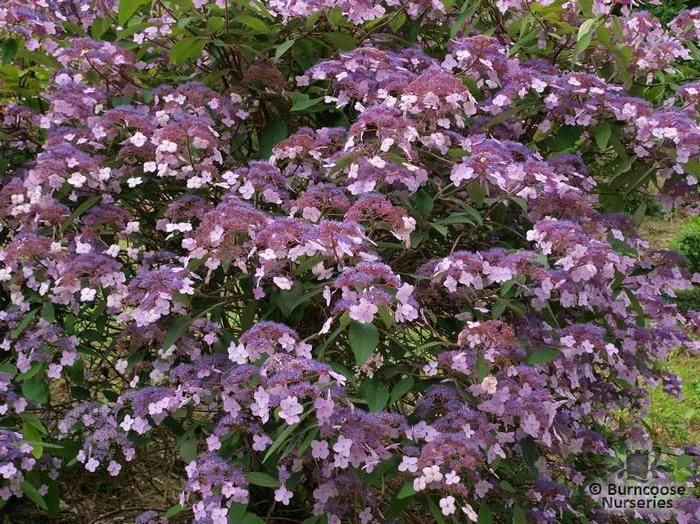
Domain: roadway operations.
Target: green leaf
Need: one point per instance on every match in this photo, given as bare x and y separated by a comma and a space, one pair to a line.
35, 389
397, 22
187, 444
262, 479
375, 393
99, 27
342, 41
466, 13
437, 514
306, 443
26, 320
543, 356
250, 518
424, 203
443, 230
566, 138
485, 516
335, 16
477, 194
272, 134
302, 101
33, 494
8, 50
253, 23
498, 308
519, 515
530, 452
31, 434
401, 388
175, 331
236, 512
602, 133
584, 36
33, 420
79, 211
363, 339
173, 510
283, 48
406, 490
34, 370
507, 486
187, 48
52, 498
457, 218
215, 24
287, 301
48, 312
482, 368
127, 8
279, 441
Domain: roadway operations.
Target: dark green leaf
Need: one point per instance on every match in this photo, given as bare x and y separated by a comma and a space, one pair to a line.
79, 211
250, 518
187, 445
482, 368
375, 393
99, 27
397, 22
602, 134
35, 389
8, 50
363, 339
437, 513
173, 510
485, 515
186, 49
127, 8
48, 312
401, 388
215, 24
273, 133
584, 36
406, 490
301, 101
543, 356
26, 320
283, 48
33, 494
52, 499
424, 203
519, 515
279, 440
253, 23
175, 331
342, 41
262, 479
476, 193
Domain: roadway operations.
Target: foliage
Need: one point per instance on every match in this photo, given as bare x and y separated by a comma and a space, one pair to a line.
667, 10
687, 242
363, 260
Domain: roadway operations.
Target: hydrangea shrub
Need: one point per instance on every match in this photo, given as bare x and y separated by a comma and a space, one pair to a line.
360, 259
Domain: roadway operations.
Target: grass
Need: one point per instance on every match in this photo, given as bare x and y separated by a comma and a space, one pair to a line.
677, 421
660, 231
674, 421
